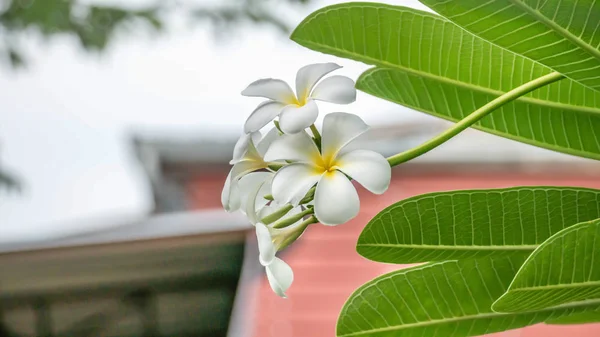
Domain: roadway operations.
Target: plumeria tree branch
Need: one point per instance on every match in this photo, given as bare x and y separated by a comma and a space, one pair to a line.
473, 118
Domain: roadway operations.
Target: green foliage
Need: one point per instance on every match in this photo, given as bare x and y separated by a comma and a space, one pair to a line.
569, 129
580, 318
561, 34
460, 69
563, 269
475, 223
9, 182
95, 26
431, 65
451, 298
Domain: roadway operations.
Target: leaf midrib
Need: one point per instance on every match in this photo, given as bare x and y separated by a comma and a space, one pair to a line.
470, 86
557, 286
463, 318
448, 247
557, 28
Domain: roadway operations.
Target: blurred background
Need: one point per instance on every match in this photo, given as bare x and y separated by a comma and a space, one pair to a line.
117, 120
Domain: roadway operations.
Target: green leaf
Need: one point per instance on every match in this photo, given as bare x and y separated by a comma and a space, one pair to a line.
451, 298
557, 129
581, 318
474, 223
563, 35
440, 69
563, 269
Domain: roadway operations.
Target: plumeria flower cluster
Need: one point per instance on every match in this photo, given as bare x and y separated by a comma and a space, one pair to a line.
294, 175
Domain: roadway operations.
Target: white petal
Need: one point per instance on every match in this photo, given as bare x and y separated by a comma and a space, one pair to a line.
280, 276
256, 199
264, 190
292, 182
233, 196
298, 147
230, 196
266, 141
294, 119
369, 168
274, 89
262, 115
362, 142
266, 248
241, 146
251, 188
309, 75
335, 89
339, 129
336, 200
244, 167
253, 180
249, 210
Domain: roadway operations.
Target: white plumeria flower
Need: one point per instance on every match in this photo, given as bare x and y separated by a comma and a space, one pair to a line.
298, 111
336, 200
247, 158
279, 274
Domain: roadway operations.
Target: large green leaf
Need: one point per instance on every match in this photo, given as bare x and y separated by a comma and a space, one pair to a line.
577, 318
563, 35
443, 70
474, 223
563, 269
451, 298
557, 129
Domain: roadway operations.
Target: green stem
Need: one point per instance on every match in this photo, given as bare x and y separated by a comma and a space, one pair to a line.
310, 195
277, 126
293, 219
277, 214
276, 166
316, 134
473, 118
296, 233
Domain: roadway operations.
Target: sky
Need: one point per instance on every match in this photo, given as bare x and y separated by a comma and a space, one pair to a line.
66, 121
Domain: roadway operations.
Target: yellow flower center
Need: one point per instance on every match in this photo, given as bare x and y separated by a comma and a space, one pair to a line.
302, 98
293, 100
325, 164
